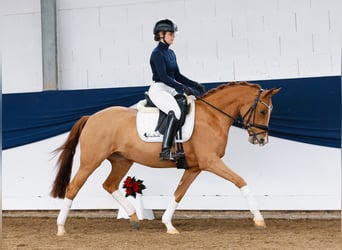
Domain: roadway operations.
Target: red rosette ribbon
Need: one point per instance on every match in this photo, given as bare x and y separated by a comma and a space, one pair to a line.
133, 186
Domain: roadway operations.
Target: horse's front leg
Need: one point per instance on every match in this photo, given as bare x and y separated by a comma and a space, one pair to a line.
187, 178
218, 167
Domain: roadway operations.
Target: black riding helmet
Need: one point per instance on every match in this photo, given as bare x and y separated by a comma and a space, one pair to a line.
164, 25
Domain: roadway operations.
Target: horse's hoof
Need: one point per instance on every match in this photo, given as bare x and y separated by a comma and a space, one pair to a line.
134, 220
260, 224
172, 231
135, 224
61, 233
60, 230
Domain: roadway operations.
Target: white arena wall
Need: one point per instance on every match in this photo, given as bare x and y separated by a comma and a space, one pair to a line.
283, 175
107, 43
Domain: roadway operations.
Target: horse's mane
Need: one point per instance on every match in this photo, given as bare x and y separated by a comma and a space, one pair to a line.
231, 84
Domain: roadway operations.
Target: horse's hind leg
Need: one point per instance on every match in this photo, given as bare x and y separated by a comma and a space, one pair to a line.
75, 185
187, 178
218, 167
120, 167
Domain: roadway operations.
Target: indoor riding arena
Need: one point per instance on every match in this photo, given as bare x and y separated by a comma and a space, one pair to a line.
258, 158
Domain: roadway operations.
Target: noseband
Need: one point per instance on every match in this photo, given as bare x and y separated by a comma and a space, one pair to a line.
251, 113
248, 120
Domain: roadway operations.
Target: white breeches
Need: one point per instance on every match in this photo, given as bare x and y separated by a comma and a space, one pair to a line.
163, 97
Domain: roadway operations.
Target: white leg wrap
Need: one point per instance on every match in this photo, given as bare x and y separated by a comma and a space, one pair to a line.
63, 213
251, 203
130, 210
167, 216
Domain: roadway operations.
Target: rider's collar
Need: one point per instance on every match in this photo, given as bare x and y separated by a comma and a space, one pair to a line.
163, 45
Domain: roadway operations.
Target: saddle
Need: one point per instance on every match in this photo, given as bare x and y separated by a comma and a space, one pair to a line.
162, 121
152, 122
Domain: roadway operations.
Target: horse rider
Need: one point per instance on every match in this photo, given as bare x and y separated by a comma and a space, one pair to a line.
168, 81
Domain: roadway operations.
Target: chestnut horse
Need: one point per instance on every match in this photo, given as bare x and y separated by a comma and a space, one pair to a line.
111, 134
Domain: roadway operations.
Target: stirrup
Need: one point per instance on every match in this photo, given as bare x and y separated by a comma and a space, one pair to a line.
173, 156
165, 155
178, 155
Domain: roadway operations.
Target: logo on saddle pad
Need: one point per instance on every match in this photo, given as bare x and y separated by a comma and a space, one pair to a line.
150, 122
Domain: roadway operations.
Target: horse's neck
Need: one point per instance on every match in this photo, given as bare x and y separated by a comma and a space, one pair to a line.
227, 100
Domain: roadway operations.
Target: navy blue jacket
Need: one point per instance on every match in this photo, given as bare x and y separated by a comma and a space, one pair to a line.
165, 69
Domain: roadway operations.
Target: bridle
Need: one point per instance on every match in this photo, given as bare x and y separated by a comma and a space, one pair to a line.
248, 119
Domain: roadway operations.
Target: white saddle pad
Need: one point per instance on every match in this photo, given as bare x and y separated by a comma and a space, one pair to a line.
147, 119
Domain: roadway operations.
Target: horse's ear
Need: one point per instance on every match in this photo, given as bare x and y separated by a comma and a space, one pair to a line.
272, 92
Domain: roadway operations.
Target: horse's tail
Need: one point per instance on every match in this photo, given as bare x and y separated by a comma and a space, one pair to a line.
65, 160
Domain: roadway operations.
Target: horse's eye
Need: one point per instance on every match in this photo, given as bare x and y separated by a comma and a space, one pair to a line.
263, 112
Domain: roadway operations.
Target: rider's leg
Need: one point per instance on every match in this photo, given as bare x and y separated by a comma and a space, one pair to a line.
163, 97
171, 129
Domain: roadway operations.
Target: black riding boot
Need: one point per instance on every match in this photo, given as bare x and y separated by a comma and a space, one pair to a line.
170, 132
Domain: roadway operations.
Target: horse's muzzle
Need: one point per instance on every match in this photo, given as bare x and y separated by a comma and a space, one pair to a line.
260, 139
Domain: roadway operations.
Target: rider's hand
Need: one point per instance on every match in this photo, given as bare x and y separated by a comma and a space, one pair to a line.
188, 91
200, 88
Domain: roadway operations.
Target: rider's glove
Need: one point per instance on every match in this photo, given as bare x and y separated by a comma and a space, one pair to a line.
199, 87
188, 91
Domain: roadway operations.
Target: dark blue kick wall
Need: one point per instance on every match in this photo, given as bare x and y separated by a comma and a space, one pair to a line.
306, 110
